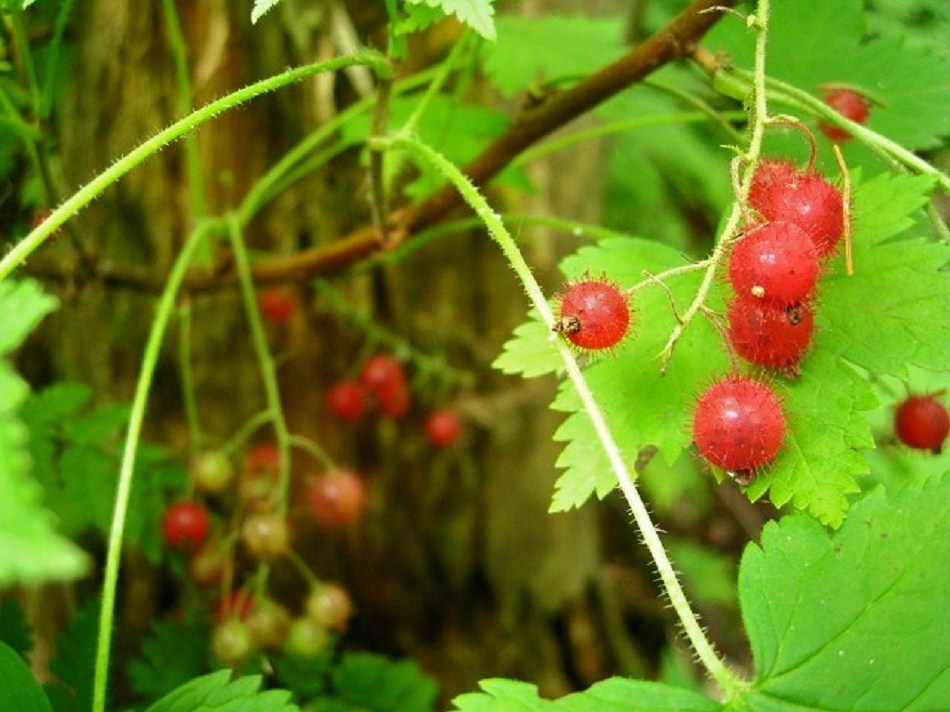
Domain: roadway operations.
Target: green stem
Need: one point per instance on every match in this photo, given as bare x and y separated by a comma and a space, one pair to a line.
265, 361
445, 69
314, 450
694, 632
176, 40
26, 57
187, 379
163, 314
52, 57
97, 185
244, 432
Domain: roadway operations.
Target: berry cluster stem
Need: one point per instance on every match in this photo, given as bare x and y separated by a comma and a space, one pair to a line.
742, 165
724, 677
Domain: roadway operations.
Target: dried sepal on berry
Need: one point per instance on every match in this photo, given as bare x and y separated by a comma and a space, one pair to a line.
593, 314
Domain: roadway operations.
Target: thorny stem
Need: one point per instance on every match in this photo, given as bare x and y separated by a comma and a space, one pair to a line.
731, 684
745, 166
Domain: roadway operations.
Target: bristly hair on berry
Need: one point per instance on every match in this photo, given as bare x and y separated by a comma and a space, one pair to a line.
594, 314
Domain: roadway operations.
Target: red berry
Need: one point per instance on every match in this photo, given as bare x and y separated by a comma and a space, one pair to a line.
262, 459
807, 200
922, 422
337, 498
258, 482
849, 104
394, 402
770, 336
347, 400
266, 535
383, 375
594, 314
738, 424
186, 525
211, 471
769, 173
443, 427
330, 605
277, 305
775, 263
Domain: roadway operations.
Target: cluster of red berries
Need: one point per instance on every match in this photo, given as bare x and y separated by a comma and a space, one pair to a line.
382, 384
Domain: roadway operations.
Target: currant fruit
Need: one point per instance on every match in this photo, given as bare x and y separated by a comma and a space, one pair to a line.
738, 425
269, 623
769, 173
307, 639
594, 314
211, 471
849, 104
277, 305
382, 375
330, 606
922, 422
443, 427
186, 525
337, 498
807, 200
262, 459
206, 566
775, 337
266, 535
347, 400
232, 642
774, 263
257, 485
394, 402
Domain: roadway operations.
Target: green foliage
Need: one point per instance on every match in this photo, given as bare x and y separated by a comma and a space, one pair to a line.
260, 8
217, 693
76, 450
21, 691
30, 550
879, 584
708, 575
376, 683
74, 663
613, 695
173, 652
13, 628
477, 14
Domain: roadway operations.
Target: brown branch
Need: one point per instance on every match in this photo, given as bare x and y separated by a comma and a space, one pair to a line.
675, 41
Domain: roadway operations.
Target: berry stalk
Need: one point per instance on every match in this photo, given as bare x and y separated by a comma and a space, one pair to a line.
717, 668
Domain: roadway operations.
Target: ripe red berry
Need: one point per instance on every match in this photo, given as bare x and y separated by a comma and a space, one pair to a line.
211, 471
443, 427
277, 305
594, 314
186, 525
738, 425
262, 459
774, 263
347, 400
394, 402
849, 104
337, 498
769, 173
775, 337
383, 374
922, 422
807, 200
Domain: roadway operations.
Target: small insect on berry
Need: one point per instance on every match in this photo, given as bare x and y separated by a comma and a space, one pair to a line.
738, 425
594, 314
922, 422
775, 337
775, 263
186, 525
851, 105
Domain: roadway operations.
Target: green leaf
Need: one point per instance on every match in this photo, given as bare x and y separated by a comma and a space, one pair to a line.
613, 695
883, 205
14, 630
709, 576
305, 677
818, 463
215, 693
376, 683
879, 641
642, 407
21, 691
533, 49
529, 352
172, 654
23, 305
75, 662
261, 7
477, 14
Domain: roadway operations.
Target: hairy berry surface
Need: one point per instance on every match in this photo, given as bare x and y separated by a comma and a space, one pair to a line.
770, 336
775, 263
738, 424
594, 314
850, 105
922, 422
